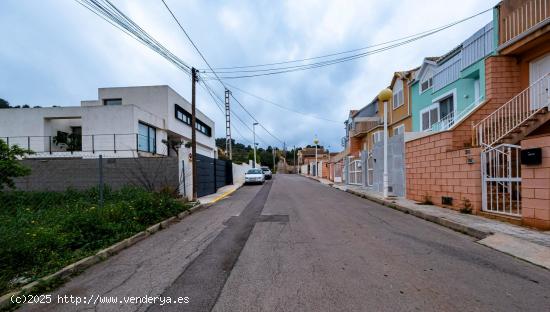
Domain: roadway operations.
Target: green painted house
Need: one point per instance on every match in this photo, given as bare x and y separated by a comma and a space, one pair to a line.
447, 88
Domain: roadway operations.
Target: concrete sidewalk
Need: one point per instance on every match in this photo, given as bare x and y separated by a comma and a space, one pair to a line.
524, 243
220, 194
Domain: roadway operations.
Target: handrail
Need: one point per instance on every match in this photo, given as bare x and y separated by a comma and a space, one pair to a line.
513, 113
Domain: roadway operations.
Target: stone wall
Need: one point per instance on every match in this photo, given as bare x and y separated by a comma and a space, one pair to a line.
435, 170
60, 174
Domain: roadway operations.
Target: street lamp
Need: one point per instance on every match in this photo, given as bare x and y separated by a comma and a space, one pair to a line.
316, 141
254, 134
384, 96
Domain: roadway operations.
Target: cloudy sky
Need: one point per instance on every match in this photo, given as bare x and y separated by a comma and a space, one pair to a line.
55, 52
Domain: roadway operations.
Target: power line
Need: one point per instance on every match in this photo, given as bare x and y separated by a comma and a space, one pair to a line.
281, 106
246, 110
191, 40
211, 69
110, 13
218, 102
279, 70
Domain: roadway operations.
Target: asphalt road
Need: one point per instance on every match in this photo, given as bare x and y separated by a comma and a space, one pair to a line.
294, 244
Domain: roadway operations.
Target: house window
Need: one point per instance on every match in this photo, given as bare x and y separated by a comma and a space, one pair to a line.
147, 138
429, 116
185, 117
112, 102
398, 97
203, 128
182, 115
376, 137
426, 84
445, 107
399, 129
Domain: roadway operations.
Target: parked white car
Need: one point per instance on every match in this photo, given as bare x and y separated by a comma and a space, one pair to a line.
254, 175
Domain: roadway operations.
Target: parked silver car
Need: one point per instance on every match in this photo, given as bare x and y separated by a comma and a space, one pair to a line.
267, 173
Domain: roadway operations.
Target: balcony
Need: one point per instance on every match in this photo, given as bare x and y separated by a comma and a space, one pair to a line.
521, 20
364, 125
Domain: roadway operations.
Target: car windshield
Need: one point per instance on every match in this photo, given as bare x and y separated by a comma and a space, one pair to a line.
254, 171
265, 169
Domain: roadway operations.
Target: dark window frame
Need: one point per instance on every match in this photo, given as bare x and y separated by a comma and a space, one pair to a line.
148, 148
186, 119
113, 99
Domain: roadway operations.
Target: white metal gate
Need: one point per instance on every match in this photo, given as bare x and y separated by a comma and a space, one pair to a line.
501, 179
355, 172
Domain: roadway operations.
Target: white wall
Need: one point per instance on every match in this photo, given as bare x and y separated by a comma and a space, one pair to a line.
153, 105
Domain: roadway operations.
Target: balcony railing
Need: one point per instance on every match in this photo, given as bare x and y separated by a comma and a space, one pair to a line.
528, 16
362, 127
513, 113
453, 118
88, 146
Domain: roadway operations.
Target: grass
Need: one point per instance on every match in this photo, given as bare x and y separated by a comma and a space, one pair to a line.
41, 232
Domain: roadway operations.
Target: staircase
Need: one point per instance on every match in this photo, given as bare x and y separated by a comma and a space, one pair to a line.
497, 135
516, 118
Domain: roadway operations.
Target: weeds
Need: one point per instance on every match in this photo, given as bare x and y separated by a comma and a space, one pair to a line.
41, 232
427, 200
466, 206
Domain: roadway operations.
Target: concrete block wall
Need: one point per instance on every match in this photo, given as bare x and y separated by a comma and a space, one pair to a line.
81, 174
535, 185
434, 169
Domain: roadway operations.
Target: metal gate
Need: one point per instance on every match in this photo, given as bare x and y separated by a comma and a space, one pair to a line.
212, 174
355, 173
370, 170
501, 179
337, 168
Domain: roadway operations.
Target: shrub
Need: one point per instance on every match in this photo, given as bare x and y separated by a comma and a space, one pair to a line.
42, 232
10, 167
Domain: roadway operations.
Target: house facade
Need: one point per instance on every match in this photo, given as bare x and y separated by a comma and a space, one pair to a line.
126, 122
316, 166
447, 88
494, 160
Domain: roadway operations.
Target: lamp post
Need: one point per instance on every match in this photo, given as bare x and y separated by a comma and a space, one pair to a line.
254, 135
316, 141
384, 96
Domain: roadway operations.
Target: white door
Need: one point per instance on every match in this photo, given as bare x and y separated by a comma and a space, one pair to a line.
476, 90
538, 69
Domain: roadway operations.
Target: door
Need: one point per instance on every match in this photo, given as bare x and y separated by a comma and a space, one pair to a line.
445, 107
539, 81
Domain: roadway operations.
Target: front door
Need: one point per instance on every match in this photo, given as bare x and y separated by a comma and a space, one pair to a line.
539, 80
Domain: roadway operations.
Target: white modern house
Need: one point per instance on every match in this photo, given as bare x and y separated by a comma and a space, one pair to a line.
122, 122
125, 122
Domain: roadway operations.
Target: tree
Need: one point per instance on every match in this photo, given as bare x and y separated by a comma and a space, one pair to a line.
10, 167
4, 103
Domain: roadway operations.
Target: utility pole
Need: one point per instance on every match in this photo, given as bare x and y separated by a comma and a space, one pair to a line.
254, 135
273, 153
228, 125
194, 79
316, 141
294, 163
